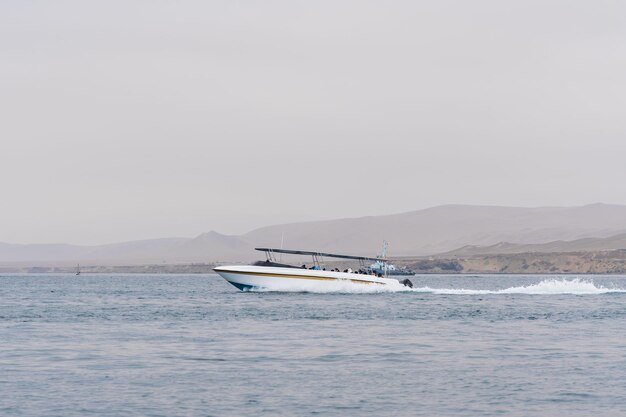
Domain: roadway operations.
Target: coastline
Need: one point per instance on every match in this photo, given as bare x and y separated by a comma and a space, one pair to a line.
587, 262
611, 262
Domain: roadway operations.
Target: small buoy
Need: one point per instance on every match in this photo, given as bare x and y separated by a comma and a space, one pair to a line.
407, 283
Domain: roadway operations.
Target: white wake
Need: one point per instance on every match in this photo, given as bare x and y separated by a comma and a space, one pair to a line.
575, 286
554, 286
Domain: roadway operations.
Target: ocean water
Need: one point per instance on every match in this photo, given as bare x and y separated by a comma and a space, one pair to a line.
192, 345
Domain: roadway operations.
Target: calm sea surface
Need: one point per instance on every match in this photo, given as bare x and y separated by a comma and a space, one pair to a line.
192, 345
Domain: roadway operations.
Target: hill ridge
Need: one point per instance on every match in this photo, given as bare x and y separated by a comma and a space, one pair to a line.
429, 231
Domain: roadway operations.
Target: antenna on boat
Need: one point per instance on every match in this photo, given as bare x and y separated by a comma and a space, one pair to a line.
282, 239
383, 255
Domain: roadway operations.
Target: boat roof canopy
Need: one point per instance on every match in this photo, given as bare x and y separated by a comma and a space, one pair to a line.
322, 254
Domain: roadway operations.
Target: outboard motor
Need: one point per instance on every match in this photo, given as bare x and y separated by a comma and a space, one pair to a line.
407, 283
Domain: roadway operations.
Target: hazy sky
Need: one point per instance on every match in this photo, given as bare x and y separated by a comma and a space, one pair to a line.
126, 120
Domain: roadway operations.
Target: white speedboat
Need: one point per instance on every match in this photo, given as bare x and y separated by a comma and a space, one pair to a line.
274, 276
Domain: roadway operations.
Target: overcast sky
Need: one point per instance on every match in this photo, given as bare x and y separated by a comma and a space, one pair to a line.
125, 120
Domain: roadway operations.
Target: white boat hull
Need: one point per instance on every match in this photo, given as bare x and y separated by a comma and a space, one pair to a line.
250, 277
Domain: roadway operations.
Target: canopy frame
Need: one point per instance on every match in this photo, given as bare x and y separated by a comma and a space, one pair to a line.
318, 257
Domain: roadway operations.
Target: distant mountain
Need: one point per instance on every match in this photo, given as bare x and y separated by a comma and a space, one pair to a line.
445, 228
212, 246
135, 251
559, 246
206, 247
422, 232
45, 252
152, 250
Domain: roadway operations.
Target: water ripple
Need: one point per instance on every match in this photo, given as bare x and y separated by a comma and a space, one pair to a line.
161, 345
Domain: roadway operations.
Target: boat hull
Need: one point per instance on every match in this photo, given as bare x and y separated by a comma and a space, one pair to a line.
248, 278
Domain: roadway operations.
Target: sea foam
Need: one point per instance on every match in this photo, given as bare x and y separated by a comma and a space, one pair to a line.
575, 286
553, 286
